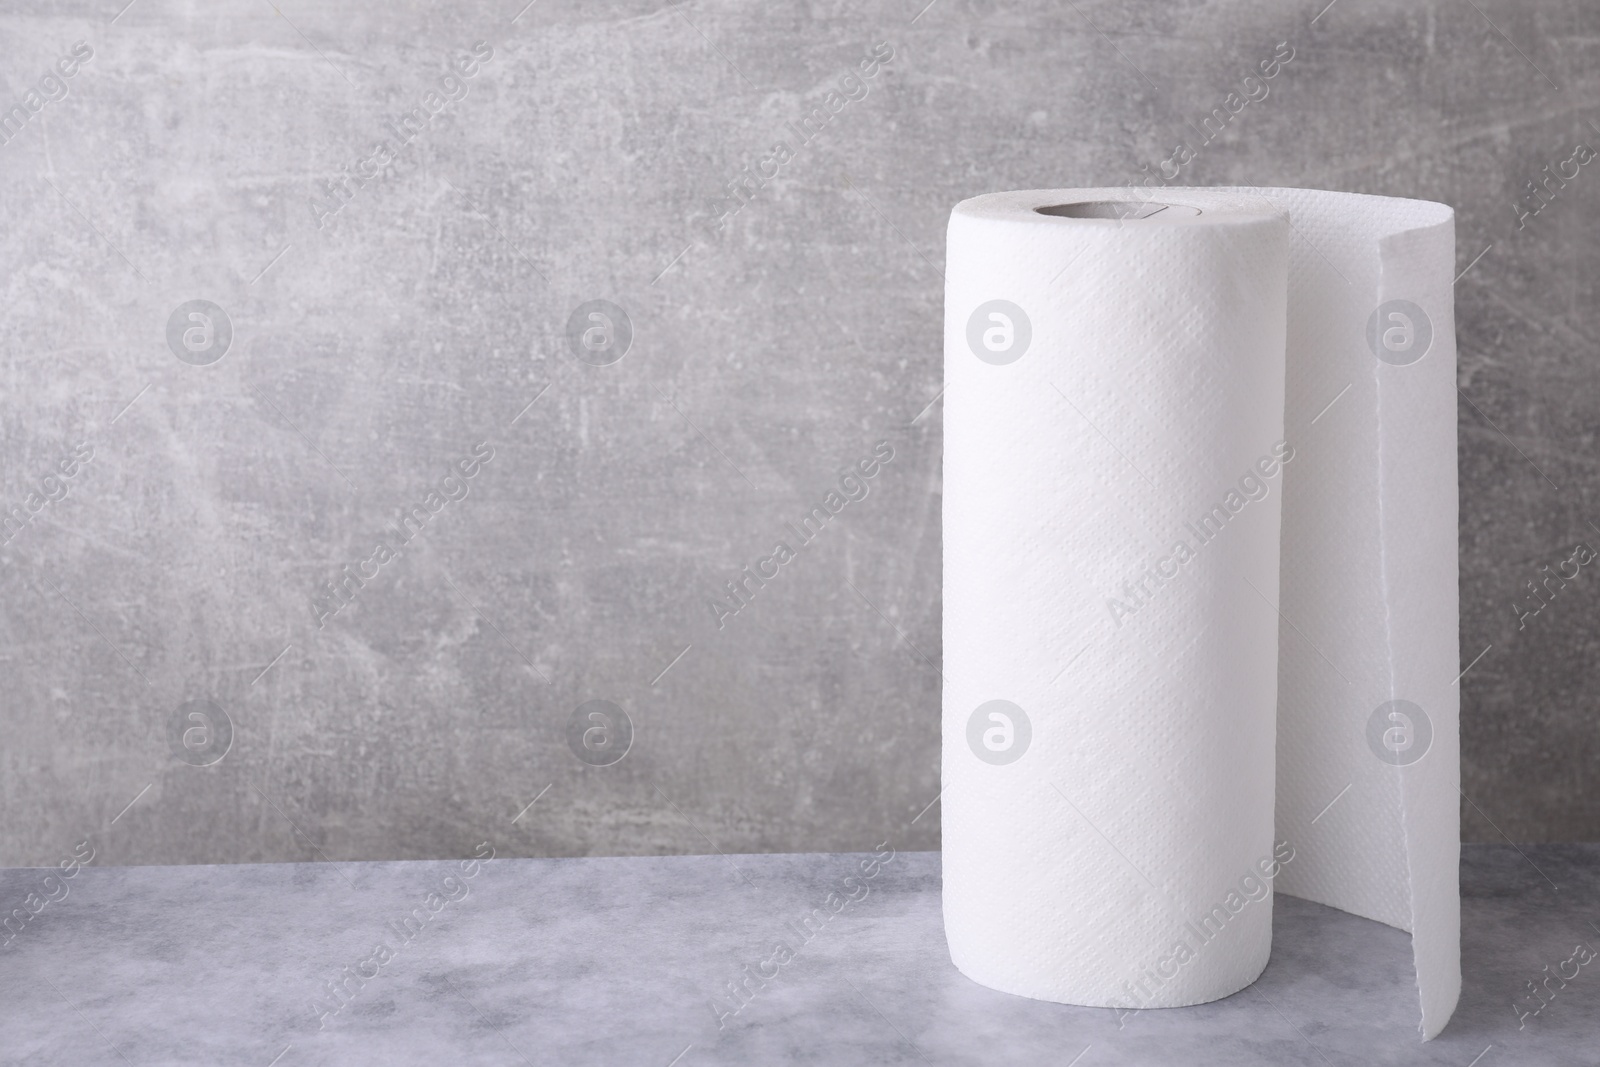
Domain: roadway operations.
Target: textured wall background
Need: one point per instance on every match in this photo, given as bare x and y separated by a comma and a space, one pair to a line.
376, 345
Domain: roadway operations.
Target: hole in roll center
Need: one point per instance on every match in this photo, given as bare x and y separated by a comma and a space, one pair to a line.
1118, 209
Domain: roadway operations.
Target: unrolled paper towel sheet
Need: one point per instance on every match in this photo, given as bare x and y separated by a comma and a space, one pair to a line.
1199, 585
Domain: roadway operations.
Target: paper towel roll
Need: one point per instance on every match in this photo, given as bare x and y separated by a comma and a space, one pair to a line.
1122, 667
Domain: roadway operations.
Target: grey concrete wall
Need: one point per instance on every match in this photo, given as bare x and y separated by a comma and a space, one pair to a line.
381, 335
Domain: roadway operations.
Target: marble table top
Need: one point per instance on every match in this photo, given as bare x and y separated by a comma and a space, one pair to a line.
691, 960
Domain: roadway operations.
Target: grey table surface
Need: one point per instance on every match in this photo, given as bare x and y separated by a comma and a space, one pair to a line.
630, 960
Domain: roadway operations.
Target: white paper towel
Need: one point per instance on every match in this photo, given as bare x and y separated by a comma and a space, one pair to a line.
1141, 410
